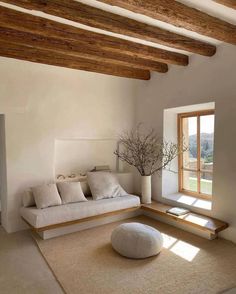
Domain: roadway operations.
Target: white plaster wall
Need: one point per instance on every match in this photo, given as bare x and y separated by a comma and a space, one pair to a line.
76, 156
3, 170
170, 175
204, 80
43, 103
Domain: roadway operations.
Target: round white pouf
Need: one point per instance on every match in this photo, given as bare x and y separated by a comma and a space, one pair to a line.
135, 240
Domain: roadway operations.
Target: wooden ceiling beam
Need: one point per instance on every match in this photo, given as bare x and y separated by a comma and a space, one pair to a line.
78, 50
180, 15
104, 20
25, 22
228, 3
51, 58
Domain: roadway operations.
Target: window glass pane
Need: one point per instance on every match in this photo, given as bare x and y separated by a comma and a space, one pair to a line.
207, 141
189, 127
206, 183
190, 181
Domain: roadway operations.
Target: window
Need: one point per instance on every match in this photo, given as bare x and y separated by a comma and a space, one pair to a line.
196, 130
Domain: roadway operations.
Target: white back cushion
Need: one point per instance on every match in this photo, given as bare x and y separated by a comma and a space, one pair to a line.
71, 192
46, 195
28, 198
83, 182
104, 185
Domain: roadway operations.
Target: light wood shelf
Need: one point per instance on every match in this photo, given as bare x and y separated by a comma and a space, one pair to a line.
202, 222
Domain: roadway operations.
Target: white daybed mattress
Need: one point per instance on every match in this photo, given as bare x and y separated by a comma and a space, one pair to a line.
63, 213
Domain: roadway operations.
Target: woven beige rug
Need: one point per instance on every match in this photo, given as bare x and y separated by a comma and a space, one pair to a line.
230, 291
85, 263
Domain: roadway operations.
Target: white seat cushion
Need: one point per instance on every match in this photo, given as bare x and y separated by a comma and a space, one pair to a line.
135, 240
73, 211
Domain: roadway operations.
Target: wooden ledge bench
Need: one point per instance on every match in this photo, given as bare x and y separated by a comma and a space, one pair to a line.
194, 220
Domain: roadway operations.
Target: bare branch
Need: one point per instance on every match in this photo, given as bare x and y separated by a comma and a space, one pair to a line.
146, 151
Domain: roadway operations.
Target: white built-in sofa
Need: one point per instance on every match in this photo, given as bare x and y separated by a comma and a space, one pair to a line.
40, 219
62, 219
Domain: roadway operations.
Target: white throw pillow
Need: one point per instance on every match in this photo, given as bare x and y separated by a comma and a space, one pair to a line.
28, 199
46, 196
104, 185
71, 192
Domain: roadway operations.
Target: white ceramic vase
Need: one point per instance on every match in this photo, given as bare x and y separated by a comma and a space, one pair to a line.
146, 189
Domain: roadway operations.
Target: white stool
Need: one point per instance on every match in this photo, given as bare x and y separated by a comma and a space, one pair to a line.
135, 240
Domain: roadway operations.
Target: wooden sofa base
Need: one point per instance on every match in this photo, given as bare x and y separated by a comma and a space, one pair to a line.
88, 224
154, 210
78, 221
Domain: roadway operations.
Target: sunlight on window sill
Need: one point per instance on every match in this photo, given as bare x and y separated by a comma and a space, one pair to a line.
196, 219
180, 248
190, 201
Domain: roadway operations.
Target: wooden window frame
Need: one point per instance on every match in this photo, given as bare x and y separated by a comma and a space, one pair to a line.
197, 114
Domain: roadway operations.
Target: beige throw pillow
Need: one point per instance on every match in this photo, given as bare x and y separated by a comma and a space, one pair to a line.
28, 199
104, 185
46, 196
71, 192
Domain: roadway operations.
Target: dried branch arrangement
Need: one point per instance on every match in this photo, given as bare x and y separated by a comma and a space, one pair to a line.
146, 151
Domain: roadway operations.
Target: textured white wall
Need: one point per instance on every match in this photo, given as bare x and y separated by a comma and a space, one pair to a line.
204, 80
75, 156
170, 178
42, 103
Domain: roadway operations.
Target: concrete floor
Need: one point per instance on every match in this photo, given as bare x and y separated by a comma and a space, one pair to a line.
22, 267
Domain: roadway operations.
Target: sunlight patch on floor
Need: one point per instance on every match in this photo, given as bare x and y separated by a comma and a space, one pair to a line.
168, 241
185, 250
180, 248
